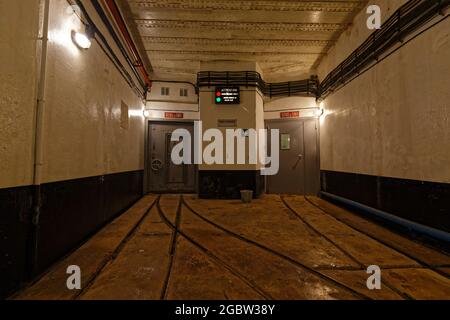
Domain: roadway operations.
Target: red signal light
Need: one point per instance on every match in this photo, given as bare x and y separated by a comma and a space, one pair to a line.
218, 93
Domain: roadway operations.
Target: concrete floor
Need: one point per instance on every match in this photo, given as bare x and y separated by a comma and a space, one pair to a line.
276, 248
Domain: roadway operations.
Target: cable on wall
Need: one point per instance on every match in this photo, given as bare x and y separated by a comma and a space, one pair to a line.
404, 22
106, 47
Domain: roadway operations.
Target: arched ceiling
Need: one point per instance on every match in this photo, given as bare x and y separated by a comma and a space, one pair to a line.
287, 38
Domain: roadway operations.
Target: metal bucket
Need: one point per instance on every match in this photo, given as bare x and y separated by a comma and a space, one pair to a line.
246, 196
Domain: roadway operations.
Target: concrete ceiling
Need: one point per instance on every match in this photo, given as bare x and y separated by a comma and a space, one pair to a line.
287, 38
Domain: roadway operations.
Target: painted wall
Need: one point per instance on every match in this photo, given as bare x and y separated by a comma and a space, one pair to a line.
84, 135
93, 139
84, 93
18, 64
392, 121
19, 27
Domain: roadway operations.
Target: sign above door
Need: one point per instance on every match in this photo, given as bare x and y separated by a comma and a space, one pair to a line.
290, 114
174, 115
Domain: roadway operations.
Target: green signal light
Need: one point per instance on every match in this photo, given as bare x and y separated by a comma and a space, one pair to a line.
218, 99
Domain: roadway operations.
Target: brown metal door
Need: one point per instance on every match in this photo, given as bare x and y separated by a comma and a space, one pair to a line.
163, 174
299, 167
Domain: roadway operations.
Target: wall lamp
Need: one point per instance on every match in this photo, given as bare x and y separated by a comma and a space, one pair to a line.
83, 40
147, 113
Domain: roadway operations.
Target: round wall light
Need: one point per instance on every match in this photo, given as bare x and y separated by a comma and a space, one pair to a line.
81, 40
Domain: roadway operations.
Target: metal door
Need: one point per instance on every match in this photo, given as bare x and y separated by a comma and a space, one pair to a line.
299, 162
163, 174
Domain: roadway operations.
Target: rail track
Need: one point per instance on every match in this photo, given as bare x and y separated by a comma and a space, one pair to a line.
117, 251
422, 263
274, 252
219, 262
340, 248
177, 232
172, 250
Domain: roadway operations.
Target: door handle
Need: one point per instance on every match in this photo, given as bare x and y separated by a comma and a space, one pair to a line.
299, 158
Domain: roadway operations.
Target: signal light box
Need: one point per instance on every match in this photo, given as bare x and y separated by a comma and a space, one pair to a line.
228, 95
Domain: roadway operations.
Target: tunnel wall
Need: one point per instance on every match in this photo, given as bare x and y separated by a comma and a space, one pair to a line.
18, 65
93, 139
385, 135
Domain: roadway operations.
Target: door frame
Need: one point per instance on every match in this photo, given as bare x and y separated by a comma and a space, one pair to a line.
317, 122
148, 122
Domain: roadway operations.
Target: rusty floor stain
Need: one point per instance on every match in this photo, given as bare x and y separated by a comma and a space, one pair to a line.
293, 247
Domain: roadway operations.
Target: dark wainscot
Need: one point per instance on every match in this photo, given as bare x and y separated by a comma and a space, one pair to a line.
427, 203
71, 212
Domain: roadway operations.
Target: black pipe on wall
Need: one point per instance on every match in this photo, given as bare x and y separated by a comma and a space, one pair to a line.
404, 22
308, 87
106, 47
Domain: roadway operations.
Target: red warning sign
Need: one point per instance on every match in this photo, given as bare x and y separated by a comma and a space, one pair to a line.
174, 115
290, 114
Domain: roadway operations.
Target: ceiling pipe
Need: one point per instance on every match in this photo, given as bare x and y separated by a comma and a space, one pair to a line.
114, 9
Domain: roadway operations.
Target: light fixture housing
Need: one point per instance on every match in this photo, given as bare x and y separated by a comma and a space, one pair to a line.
83, 40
